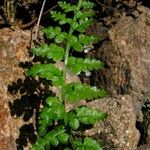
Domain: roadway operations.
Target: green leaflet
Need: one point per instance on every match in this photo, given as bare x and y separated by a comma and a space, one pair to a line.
52, 101
87, 39
51, 51
48, 71
88, 115
74, 123
78, 42
85, 115
84, 24
87, 5
56, 33
72, 39
88, 144
53, 112
79, 91
53, 137
76, 65
77, 46
51, 32
81, 15
60, 38
73, 120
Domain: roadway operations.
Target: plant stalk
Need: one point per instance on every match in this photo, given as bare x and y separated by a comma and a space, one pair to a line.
62, 98
72, 141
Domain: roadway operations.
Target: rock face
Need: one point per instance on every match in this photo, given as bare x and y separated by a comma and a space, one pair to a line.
127, 77
126, 54
118, 132
13, 47
131, 44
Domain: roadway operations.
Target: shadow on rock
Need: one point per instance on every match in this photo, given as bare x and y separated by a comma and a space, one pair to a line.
32, 92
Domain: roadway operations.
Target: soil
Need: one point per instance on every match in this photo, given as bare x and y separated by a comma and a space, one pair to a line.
125, 49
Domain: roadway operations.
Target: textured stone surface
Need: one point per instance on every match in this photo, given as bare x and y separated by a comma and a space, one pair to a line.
127, 73
118, 132
13, 47
131, 43
127, 55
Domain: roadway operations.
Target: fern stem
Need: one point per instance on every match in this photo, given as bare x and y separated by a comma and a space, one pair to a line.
64, 76
62, 98
65, 69
67, 55
72, 141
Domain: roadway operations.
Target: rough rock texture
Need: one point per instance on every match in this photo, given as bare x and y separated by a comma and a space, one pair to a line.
127, 55
118, 132
131, 48
13, 47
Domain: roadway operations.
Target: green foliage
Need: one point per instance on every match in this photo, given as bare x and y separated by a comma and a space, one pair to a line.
88, 144
53, 138
54, 114
51, 51
53, 111
89, 116
78, 91
47, 71
76, 65
56, 33
85, 115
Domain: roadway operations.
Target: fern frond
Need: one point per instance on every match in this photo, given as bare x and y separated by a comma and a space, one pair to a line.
47, 71
76, 65
88, 144
53, 111
51, 51
54, 115
54, 138
78, 91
